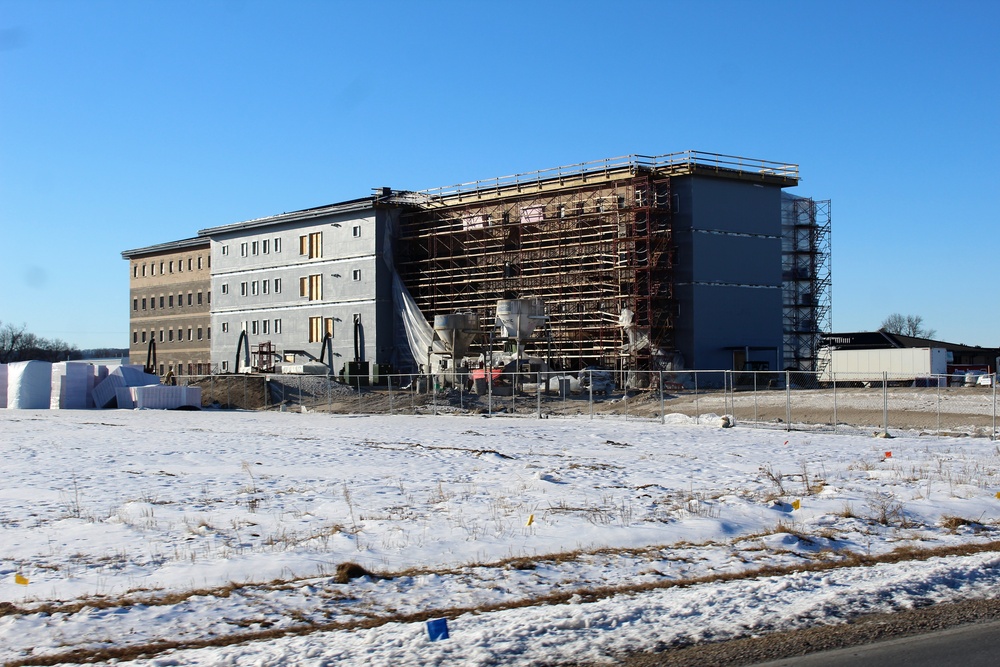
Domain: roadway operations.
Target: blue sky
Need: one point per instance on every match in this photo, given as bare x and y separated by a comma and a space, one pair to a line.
126, 124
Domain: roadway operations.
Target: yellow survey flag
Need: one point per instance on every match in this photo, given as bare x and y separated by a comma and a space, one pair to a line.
18, 579
998, 494
531, 517
796, 504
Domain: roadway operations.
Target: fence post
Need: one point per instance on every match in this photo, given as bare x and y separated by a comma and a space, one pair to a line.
538, 388
591, 394
994, 436
939, 405
697, 412
756, 418
788, 400
663, 417
625, 399
885, 401
833, 379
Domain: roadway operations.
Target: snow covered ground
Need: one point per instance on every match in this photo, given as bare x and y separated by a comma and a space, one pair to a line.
541, 540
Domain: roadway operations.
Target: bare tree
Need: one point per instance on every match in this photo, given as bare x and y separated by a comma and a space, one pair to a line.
12, 340
18, 344
907, 325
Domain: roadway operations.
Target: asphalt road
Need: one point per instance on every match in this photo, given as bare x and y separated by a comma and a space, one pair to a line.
975, 645
963, 633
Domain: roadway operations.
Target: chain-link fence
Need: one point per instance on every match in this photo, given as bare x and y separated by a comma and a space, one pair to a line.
942, 404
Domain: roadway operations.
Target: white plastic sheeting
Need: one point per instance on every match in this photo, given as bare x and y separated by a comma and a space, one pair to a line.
72, 383
419, 334
105, 393
29, 385
160, 397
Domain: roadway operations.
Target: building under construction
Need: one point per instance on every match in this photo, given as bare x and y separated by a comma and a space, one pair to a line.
686, 260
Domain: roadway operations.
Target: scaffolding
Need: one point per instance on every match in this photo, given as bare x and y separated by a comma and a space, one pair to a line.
806, 278
594, 240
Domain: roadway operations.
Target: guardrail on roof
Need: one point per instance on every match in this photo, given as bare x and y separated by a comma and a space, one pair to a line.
684, 160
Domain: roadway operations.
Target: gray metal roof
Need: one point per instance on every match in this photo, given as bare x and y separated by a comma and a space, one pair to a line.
350, 206
183, 244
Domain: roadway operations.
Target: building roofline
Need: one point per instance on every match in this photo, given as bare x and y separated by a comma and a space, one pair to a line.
685, 163
183, 244
352, 205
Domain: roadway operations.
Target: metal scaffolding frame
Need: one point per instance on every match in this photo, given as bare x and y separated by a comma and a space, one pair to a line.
589, 248
806, 278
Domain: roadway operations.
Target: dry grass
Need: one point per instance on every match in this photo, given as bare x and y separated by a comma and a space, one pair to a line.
843, 559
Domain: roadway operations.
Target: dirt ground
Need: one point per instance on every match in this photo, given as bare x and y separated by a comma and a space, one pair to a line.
961, 411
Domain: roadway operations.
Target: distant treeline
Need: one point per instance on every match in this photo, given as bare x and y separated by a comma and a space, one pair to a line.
19, 344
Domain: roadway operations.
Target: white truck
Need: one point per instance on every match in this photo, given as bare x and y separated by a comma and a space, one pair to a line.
871, 365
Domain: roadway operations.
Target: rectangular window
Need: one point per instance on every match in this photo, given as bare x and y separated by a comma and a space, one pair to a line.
143, 270
190, 333
144, 304
311, 245
171, 300
143, 336
161, 335
243, 289
254, 248
135, 304
277, 285
277, 326
199, 299
253, 327
208, 333
209, 297
265, 327
171, 266
225, 251
152, 303
135, 270
328, 325
265, 285
225, 327
225, 366
225, 288
311, 287
180, 300
265, 246
199, 333
189, 263
356, 231
161, 302
135, 336
357, 274
180, 266
170, 335
315, 329
254, 288
162, 264
243, 249
190, 297
277, 244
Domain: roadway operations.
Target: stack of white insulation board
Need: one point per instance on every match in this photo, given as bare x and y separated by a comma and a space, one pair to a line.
106, 392
159, 397
29, 385
3, 385
72, 385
